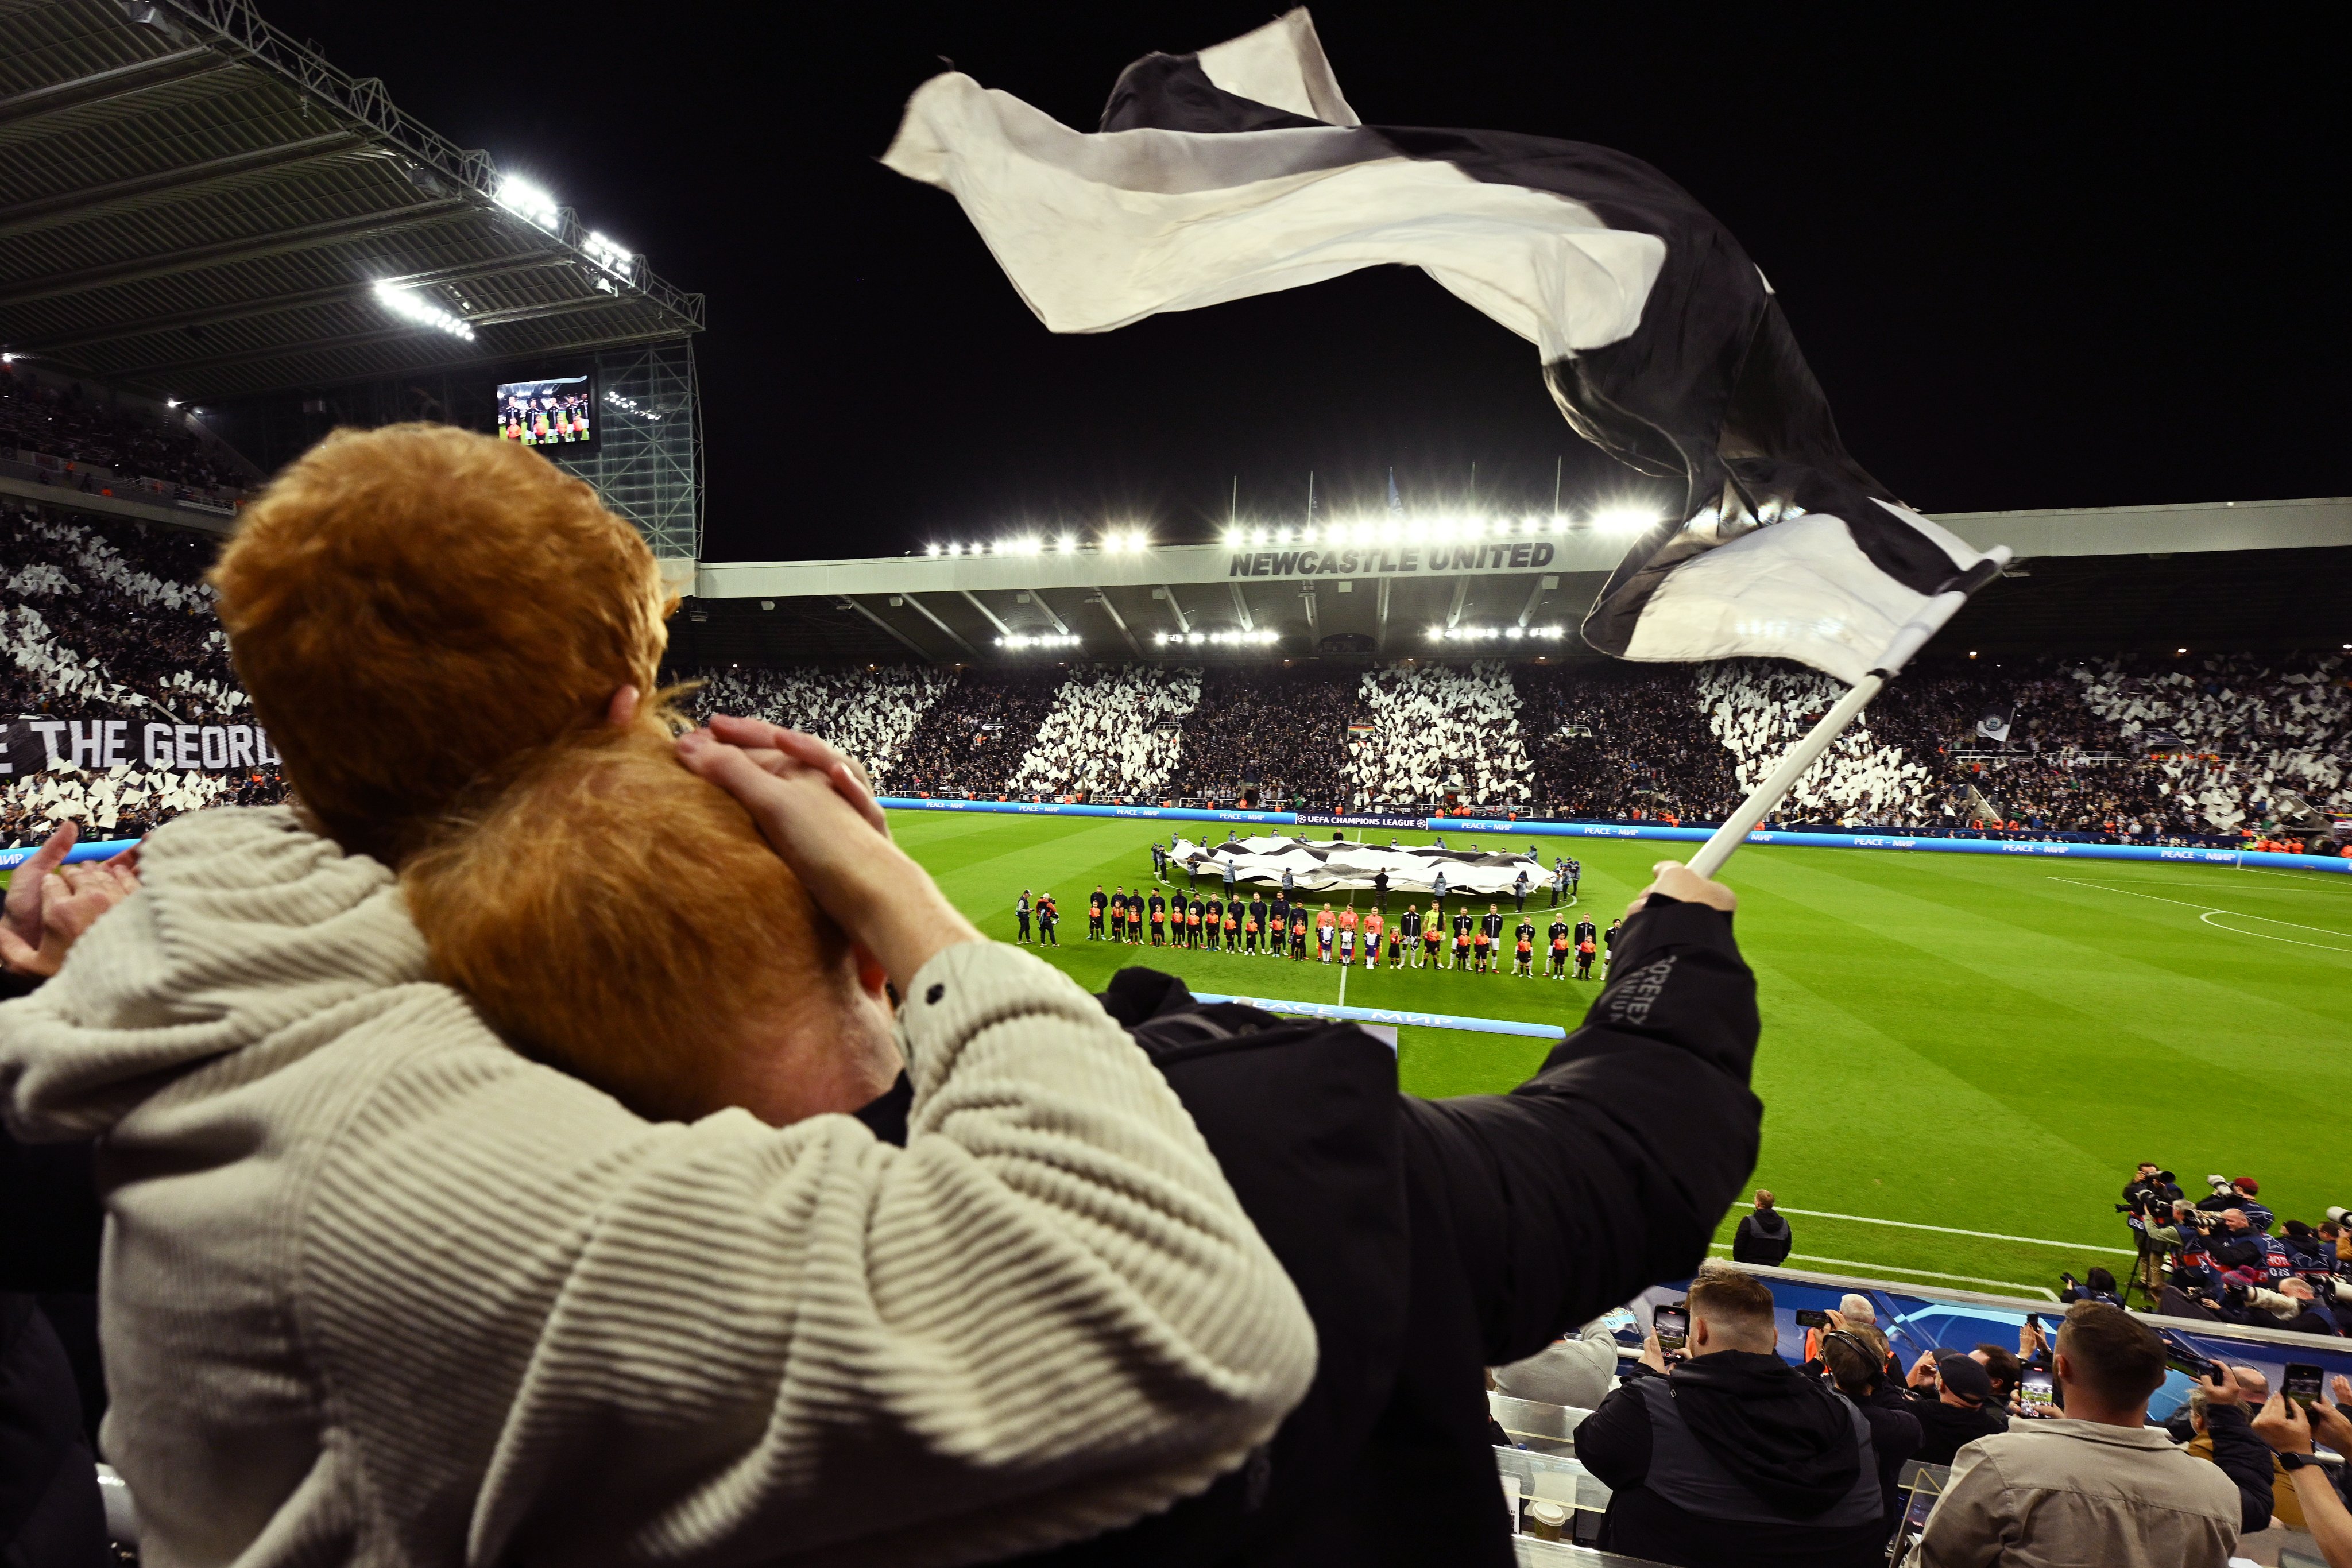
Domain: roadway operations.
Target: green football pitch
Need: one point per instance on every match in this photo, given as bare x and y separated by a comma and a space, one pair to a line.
1963, 1055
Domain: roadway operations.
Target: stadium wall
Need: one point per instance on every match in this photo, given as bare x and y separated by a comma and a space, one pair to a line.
1628, 830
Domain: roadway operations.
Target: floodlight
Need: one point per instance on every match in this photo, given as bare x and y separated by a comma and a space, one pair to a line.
610, 255
955, 549
1257, 536
423, 312
1160, 638
1069, 543
7, 359
1139, 540
1436, 634
933, 550
528, 202
1515, 632
171, 402
1624, 520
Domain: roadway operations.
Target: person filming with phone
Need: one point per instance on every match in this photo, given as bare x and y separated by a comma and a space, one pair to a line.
1718, 1451
2098, 1484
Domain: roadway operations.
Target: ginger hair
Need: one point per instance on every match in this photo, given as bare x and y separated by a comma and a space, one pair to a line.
617, 917
413, 608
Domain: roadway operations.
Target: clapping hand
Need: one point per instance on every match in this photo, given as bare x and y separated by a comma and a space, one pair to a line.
50, 905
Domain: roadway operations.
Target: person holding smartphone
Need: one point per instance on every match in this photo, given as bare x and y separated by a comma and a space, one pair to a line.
2291, 1426
2099, 1484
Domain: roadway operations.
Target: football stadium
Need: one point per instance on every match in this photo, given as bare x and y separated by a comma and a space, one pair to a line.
479, 1088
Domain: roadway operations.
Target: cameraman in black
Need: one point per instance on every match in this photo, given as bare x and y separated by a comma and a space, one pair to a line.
2147, 1209
2151, 1182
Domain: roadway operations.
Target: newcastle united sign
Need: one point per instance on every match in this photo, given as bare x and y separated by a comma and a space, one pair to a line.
1393, 561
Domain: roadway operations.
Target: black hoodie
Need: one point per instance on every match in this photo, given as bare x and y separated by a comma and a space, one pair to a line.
1763, 1237
1737, 1457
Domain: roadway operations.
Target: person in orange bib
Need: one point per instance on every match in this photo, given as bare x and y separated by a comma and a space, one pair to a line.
1298, 936
1232, 928
1325, 924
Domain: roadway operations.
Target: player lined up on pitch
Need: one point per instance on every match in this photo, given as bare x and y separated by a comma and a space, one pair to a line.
1277, 926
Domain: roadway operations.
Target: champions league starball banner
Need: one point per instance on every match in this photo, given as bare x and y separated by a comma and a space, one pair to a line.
39, 742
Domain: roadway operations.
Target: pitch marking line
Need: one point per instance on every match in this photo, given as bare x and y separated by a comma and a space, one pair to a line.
1875, 1269
1948, 1231
2208, 911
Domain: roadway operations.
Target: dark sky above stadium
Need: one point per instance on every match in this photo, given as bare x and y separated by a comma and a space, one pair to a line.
2036, 259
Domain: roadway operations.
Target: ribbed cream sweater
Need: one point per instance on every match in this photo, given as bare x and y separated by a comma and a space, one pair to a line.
377, 1289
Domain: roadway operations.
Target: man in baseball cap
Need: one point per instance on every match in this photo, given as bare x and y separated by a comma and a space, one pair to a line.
1952, 1395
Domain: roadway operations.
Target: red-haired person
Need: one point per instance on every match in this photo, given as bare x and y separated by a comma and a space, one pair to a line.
383, 1283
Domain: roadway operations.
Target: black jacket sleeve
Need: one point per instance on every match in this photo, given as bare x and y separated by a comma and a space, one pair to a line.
1610, 1169
1613, 1442
2246, 1460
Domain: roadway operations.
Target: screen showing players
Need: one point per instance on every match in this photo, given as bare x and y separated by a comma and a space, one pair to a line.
554, 413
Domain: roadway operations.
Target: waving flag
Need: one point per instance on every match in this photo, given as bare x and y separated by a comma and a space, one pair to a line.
1241, 169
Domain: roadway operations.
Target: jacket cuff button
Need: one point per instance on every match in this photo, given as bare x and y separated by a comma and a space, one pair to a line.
935, 993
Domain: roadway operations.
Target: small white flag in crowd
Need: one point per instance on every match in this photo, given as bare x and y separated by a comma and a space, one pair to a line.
1241, 169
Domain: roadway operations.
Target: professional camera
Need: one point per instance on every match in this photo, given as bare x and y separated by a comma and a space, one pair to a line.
2337, 1213
2220, 1186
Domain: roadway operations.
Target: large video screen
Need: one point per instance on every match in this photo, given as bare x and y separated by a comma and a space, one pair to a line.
554, 413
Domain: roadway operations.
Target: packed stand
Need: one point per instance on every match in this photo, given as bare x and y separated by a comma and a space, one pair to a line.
1757, 709
2242, 730
1616, 740
1283, 728
974, 737
98, 616
869, 714
1112, 732
61, 424
1438, 729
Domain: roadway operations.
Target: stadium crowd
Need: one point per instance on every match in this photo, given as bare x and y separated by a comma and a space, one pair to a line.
1112, 732
1282, 728
870, 714
975, 734
1616, 740
1757, 710
104, 618
63, 423
1437, 729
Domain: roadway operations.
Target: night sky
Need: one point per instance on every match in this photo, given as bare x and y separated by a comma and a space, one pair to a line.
2035, 261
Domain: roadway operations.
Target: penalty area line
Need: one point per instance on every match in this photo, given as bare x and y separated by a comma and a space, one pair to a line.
1949, 1231
1891, 1269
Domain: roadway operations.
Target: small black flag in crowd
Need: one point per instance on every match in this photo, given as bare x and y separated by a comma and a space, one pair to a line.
1994, 725
1241, 170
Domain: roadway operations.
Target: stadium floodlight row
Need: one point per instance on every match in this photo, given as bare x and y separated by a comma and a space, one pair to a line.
2238, 574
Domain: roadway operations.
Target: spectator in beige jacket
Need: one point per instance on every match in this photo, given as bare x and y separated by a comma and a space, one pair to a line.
381, 1287
2099, 1485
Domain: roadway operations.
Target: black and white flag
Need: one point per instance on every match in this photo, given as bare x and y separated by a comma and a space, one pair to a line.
1994, 725
1241, 169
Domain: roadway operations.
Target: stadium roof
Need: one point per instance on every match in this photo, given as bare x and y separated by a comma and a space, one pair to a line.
194, 204
2240, 574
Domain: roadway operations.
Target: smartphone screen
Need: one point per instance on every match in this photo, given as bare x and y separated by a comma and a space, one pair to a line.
2303, 1383
1811, 1318
2037, 1391
1673, 1324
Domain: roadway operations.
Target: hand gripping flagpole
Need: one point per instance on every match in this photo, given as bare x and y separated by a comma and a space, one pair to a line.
1907, 642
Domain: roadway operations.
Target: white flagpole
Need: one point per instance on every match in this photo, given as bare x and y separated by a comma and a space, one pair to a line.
1907, 642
